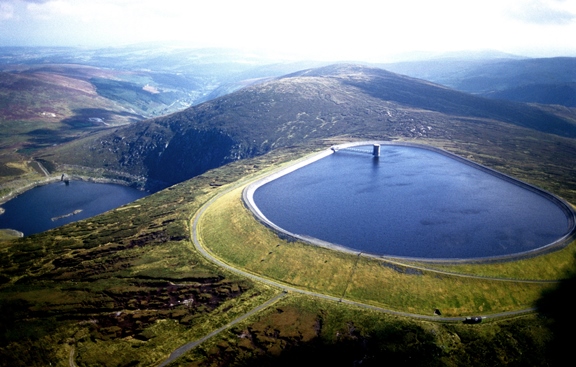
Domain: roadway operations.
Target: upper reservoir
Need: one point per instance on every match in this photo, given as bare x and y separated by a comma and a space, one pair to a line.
411, 202
53, 205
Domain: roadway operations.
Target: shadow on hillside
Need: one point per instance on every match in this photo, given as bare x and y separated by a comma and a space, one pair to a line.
558, 306
511, 343
91, 117
393, 346
46, 137
350, 353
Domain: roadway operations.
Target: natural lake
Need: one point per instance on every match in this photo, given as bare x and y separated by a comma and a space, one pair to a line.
412, 202
50, 206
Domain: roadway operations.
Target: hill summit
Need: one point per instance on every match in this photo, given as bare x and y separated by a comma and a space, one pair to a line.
311, 105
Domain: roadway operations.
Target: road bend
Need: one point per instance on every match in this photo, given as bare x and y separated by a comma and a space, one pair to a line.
287, 288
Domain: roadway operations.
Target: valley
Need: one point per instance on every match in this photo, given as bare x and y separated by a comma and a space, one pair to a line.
51, 96
130, 286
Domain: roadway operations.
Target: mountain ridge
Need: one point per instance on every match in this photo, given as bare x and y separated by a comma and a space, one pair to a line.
298, 108
496, 77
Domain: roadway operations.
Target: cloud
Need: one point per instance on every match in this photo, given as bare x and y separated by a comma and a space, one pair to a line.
6, 11
349, 29
544, 12
9, 8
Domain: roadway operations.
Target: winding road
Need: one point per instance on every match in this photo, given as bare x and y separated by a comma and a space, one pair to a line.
286, 289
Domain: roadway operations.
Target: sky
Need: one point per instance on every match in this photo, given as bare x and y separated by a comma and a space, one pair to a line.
313, 29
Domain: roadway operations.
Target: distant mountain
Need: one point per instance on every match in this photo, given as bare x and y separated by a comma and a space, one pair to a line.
486, 54
560, 93
306, 106
506, 78
460, 56
513, 79
486, 75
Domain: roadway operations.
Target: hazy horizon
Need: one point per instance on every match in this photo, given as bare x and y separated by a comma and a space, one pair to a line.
319, 30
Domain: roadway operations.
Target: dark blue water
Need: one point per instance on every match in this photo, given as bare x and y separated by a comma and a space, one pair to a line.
411, 202
32, 212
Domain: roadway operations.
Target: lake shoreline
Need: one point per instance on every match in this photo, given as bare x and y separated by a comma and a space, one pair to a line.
53, 179
570, 214
56, 202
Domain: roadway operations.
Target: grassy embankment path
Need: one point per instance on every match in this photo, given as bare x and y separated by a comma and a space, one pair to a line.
227, 233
